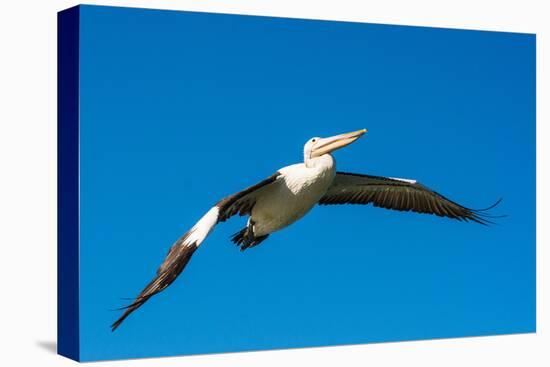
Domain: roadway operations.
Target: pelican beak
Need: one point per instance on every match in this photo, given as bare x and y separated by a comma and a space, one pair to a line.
327, 145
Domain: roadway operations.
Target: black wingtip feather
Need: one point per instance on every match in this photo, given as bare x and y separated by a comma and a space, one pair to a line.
129, 309
482, 217
489, 207
176, 260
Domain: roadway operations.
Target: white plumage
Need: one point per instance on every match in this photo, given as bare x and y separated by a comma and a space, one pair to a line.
296, 191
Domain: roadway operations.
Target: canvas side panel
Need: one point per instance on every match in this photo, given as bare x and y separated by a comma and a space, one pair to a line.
68, 343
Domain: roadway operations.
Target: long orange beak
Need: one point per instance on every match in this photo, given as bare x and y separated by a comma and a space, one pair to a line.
327, 145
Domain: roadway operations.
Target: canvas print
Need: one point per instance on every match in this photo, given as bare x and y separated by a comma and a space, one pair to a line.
233, 183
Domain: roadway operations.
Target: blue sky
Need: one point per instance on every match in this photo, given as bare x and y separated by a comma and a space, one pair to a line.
180, 109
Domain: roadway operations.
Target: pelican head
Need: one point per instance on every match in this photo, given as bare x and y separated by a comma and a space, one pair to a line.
317, 147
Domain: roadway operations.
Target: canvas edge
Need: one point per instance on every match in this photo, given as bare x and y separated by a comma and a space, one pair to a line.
68, 310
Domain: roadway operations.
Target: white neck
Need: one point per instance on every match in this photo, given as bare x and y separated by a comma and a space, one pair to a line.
324, 162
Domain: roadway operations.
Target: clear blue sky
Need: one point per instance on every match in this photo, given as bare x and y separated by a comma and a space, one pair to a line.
180, 109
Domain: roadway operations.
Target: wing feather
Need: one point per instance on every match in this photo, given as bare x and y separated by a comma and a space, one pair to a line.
181, 251
398, 194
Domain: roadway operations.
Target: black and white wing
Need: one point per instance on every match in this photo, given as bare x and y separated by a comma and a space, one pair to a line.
180, 253
398, 194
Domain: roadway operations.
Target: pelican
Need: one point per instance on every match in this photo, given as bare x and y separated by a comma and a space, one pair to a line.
289, 194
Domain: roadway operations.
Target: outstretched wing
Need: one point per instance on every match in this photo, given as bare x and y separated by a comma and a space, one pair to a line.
181, 251
398, 194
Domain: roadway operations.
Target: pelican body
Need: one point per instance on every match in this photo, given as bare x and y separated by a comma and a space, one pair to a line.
290, 198
289, 194
297, 190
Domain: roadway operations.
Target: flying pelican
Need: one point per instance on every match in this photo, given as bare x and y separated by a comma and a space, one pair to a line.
289, 194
